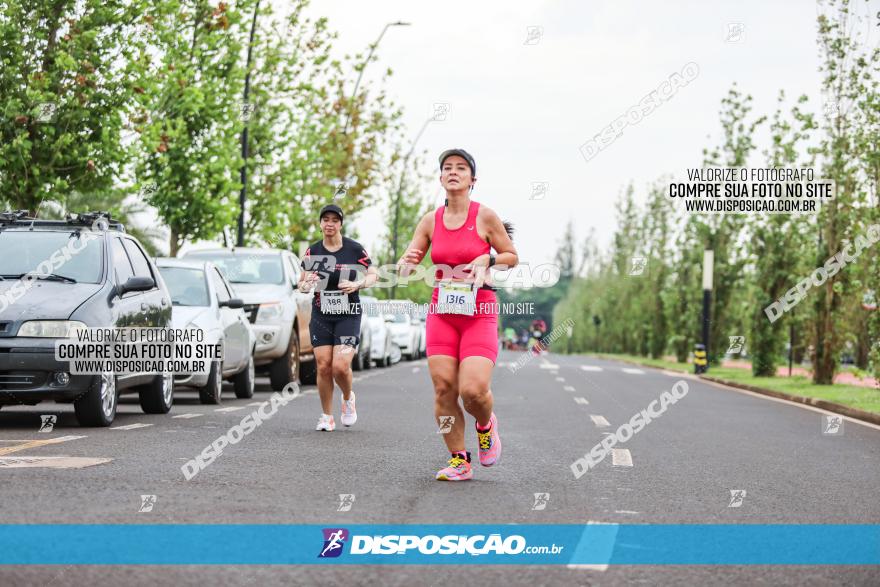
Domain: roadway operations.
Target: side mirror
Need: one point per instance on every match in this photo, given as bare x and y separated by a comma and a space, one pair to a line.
234, 303
136, 284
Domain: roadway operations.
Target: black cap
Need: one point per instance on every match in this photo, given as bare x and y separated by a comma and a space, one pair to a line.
331, 208
461, 153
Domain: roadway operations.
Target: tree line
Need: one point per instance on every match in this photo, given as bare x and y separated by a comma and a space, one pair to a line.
758, 258
127, 104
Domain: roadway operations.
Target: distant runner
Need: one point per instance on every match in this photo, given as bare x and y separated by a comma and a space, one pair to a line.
337, 267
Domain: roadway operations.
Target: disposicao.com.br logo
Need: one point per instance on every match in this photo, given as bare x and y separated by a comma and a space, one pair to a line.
401, 544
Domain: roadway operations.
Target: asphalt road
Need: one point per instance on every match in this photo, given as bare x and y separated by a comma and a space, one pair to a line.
681, 468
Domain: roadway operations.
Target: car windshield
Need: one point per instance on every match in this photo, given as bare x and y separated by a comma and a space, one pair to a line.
244, 268
60, 252
187, 285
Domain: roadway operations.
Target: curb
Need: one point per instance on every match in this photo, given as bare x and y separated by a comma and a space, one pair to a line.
841, 409
799, 399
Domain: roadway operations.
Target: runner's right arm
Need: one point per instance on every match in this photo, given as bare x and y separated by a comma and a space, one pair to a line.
307, 279
418, 247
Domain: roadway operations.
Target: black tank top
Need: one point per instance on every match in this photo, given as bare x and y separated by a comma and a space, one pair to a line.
350, 262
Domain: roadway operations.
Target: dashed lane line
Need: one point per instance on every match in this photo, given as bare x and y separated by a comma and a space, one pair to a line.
131, 426
632, 371
581, 400
568, 388
187, 416
621, 457
230, 409
599, 421
590, 368
609, 546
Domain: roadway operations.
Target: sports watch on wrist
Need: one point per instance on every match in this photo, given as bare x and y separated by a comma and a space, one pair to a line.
491, 259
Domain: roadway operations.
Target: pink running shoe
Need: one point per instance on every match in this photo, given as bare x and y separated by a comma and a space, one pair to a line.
458, 469
490, 443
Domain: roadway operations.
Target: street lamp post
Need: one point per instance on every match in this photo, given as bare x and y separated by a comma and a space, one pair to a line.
397, 196
708, 266
366, 62
242, 196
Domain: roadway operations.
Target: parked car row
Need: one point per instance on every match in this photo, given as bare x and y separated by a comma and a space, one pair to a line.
244, 299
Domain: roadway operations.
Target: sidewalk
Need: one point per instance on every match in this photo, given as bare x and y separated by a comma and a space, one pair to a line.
846, 377
853, 396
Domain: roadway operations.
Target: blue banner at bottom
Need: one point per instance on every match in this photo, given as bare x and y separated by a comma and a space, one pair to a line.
437, 544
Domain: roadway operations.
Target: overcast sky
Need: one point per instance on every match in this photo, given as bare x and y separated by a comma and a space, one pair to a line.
523, 110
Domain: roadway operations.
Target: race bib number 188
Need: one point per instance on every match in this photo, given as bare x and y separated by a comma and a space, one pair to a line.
334, 302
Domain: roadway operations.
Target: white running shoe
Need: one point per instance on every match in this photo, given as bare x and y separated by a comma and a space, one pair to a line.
349, 414
326, 423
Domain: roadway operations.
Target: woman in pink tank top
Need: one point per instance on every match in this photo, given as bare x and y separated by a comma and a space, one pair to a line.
462, 325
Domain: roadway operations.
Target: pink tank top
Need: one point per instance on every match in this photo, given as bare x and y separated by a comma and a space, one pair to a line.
450, 248
459, 246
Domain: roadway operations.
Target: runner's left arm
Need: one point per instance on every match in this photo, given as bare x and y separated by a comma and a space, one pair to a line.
499, 240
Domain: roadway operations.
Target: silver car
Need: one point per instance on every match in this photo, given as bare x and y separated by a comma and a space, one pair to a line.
279, 314
380, 352
406, 328
201, 298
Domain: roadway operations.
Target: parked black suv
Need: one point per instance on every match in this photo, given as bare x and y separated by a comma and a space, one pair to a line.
89, 273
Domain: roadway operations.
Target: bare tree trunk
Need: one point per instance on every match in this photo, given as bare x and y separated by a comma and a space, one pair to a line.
173, 243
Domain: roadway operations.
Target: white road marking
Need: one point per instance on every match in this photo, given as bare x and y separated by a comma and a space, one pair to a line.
590, 368
581, 400
548, 366
188, 416
131, 426
609, 549
568, 388
415, 370
621, 457
560, 379
633, 371
625, 512
230, 409
257, 403
50, 462
599, 421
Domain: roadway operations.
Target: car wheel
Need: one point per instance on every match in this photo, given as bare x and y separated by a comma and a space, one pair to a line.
244, 381
308, 373
286, 368
157, 396
98, 406
212, 392
358, 363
